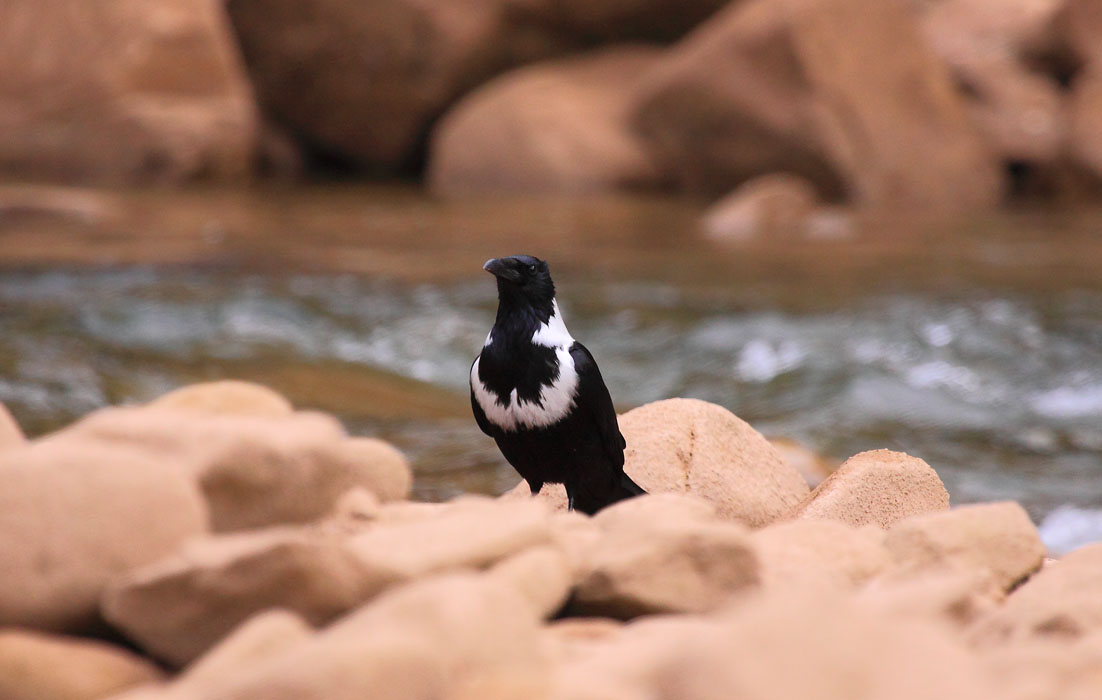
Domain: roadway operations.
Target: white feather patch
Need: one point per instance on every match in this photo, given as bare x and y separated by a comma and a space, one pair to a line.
556, 399
553, 334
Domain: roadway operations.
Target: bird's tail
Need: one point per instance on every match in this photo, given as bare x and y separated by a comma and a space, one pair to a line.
589, 502
629, 488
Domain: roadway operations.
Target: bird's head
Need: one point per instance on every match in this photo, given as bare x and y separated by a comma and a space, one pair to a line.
523, 282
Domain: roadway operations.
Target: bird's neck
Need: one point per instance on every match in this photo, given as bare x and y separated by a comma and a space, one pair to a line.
517, 324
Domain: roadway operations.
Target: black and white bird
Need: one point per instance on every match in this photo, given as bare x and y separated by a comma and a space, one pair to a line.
539, 394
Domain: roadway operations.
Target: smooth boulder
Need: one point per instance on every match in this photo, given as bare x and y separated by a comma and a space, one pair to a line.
770, 205
72, 517
226, 397
11, 435
123, 91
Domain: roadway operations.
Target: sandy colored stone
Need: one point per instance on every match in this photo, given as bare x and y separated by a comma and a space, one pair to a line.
877, 487
1036, 670
253, 470
227, 397
36, 666
178, 608
1060, 604
549, 127
11, 435
473, 533
958, 597
995, 539
844, 93
647, 563
660, 20
543, 575
409, 644
777, 204
819, 552
138, 91
694, 447
1085, 114
74, 516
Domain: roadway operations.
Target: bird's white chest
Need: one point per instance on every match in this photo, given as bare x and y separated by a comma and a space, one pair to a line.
556, 398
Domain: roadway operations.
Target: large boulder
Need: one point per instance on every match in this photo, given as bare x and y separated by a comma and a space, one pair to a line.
254, 470
226, 397
876, 487
995, 539
123, 90
842, 92
619, 19
35, 666
74, 516
814, 552
366, 79
701, 449
558, 126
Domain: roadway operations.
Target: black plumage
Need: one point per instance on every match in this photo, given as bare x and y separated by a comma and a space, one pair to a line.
539, 394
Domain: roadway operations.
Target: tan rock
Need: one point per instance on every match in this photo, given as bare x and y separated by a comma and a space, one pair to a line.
35, 666
11, 435
178, 608
995, 539
229, 397
1059, 604
543, 575
877, 487
1036, 670
74, 516
691, 446
411, 643
954, 596
135, 91
769, 205
254, 470
620, 19
472, 533
264, 635
812, 552
842, 92
549, 127
648, 563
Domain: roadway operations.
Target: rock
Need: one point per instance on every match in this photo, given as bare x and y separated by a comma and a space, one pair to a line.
878, 487
543, 575
178, 608
548, 127
1059, 604
996, 539
400, 65
122, 91
1085, 115
1078, 23
691, 446
473, 533
409, 644
253, 470
1018, 110
1035, 670
74, 516
957, 596
35, 666
841, 92
769, 205
651, 559
228, 397
264, 635
11, 435
819, 552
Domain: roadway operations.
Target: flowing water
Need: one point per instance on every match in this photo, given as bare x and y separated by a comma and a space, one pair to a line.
976, 345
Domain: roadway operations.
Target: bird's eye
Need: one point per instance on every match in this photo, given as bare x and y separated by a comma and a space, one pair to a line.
532, 268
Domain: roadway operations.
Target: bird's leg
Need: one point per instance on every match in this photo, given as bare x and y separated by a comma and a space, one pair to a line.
535, 486
569, 499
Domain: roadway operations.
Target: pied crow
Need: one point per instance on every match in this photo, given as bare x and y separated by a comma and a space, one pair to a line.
539, 394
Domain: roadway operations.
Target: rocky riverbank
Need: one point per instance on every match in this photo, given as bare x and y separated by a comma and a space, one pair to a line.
949, 105
243, 549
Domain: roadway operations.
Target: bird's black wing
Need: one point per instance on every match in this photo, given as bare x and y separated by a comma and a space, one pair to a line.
479, 414
594, 400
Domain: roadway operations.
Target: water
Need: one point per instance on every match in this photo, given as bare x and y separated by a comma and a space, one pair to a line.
981, 354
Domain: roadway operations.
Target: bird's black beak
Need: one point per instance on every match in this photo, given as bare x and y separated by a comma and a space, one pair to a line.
501, 269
